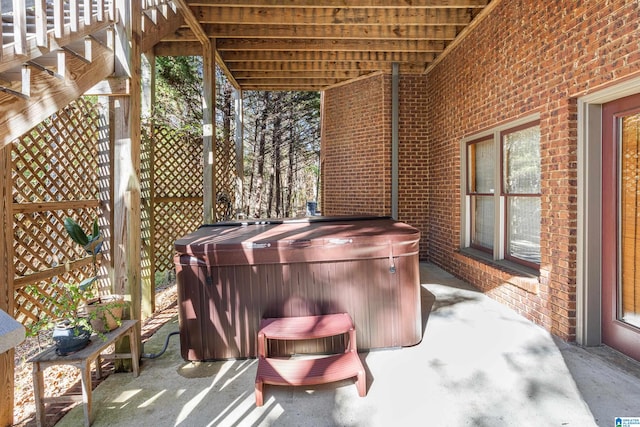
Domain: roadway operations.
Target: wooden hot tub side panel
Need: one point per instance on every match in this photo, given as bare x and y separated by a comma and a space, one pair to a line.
226, 287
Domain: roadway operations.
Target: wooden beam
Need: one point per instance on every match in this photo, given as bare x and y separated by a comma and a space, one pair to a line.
320, 45
247, 76
49, 94
282, 56
183, 48
208, 112
193, 23
290, 82
273, 87
111, 86
384, 4
481, 16
326, 17
337, 32
41, 23
238, 138
203, 38
50, 272
54, 206
314, 66
163, 27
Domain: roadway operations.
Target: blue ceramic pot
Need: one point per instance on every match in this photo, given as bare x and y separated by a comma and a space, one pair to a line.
70, 338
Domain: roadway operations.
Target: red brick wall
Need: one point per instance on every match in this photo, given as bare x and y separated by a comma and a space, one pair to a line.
525, 57
413, 156
356, 148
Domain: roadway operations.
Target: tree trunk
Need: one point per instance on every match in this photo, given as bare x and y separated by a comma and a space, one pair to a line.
290, 170
277, 175
262, 137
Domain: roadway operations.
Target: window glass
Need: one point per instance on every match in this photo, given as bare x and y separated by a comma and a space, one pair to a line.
524, 228
482, 167
508, 158
482, 226
521, 153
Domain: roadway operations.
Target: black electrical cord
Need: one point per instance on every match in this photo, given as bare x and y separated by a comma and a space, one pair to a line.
166, 344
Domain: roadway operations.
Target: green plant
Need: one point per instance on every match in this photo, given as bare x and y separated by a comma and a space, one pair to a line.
92, 244
65, 304
71, 305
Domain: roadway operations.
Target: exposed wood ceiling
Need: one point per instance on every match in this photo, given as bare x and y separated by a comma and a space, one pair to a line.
315, 44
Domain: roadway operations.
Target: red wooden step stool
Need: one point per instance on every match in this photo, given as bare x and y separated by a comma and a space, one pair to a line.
308, 371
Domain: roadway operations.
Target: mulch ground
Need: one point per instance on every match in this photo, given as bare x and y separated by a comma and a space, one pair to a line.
65, 380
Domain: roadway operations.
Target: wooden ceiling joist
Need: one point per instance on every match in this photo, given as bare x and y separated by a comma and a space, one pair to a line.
303, 44
323, 45
384, 4
331, 16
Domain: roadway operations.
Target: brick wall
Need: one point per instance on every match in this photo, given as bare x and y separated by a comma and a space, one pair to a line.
525, 57
356, 148
413, 156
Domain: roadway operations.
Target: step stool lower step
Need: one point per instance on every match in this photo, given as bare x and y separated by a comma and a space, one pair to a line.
311, 371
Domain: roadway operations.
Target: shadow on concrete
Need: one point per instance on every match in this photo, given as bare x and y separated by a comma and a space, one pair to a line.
479, 364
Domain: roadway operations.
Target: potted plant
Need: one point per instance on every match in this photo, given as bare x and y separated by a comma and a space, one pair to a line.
78, 310
71, 330
104, 312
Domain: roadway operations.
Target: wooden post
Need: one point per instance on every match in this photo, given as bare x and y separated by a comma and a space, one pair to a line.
6, 282
148, 101
125, 120
208, 134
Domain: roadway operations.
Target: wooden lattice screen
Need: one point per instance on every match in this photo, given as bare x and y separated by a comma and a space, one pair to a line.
55, 175
61, 168
177, 191
226, 177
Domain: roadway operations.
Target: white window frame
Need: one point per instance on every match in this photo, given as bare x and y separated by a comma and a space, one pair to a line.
499, 200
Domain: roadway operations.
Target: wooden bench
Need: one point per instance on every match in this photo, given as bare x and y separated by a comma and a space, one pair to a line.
82, 360
308, 371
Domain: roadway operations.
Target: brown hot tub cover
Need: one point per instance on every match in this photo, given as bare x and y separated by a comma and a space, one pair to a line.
231, 275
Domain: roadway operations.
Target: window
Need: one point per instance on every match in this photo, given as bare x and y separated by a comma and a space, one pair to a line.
503, 193
481, 193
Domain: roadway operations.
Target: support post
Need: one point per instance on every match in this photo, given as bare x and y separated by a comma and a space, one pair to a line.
395, 117
148, 269
208, 132
125, 119
7, 364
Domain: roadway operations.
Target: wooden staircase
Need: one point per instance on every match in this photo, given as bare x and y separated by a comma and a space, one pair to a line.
53, 51
312, 370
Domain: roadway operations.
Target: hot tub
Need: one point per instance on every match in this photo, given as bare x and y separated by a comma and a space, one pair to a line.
231, 275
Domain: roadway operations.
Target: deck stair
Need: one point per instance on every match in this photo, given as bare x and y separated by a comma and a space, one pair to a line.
38, 34
55, 50
308, 370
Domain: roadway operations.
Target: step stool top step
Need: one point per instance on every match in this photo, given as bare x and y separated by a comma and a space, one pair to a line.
305, 327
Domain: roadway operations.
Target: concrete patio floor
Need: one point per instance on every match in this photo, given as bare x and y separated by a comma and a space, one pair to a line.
479, 364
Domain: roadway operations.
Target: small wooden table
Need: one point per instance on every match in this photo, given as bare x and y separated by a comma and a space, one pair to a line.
82, 360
